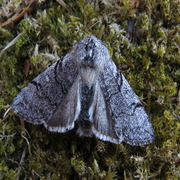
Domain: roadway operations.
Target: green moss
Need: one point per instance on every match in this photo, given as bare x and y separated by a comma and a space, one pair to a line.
150, 63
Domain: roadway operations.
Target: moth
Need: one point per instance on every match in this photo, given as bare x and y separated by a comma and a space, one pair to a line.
86, 87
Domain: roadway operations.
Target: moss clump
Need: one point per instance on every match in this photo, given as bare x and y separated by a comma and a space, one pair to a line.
150, 63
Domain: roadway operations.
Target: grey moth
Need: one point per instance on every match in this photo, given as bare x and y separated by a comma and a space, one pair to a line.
86, 87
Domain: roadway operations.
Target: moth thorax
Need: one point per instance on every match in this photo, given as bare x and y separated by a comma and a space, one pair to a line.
89, 76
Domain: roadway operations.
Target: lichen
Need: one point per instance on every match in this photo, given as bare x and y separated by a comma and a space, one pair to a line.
150, 62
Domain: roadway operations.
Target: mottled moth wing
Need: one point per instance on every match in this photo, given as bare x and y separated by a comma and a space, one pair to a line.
103, 124
130, 121
52, 97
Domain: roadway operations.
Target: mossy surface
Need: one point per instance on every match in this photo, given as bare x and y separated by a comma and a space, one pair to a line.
150, 62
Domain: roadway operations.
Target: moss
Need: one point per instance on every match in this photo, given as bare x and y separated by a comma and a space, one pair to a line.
150, 63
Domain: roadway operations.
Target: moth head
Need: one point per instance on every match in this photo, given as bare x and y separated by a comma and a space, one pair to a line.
91, 52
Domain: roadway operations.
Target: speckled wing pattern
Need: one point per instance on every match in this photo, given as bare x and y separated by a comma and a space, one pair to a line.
86, 87
130, 121
51, 98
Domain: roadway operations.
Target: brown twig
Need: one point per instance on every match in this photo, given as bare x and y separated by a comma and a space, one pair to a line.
18, 15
